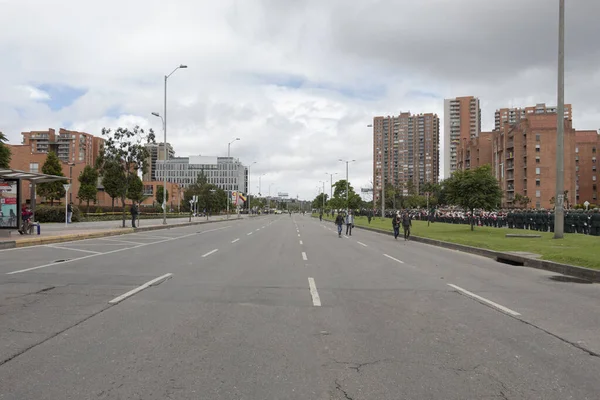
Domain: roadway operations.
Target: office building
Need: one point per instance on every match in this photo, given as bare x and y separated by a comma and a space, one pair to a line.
405, 148
513, 115
225, 172
462, 121
524, 160
156, 152
69, 146
587, 148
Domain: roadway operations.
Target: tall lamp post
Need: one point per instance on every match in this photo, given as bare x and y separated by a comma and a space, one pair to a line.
164, 120
323, 209
331, 183
560, 127
347, 185
248, 186
229, 146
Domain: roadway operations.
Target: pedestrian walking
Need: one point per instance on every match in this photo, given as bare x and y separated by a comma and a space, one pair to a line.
339, 221
321, 216
406, 224
69, 212
134, 214
396, 221
349, 223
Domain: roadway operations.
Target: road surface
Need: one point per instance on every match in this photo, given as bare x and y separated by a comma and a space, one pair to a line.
279, 307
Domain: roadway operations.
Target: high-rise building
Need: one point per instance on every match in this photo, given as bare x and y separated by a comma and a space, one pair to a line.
226, 173
405, 149
462, 121
513, 115
156, 152
70, 146
524, 160
475, 152
587, 149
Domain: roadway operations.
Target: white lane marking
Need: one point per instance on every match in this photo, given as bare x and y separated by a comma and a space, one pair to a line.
119, 241
298, 235
150, 236
210, 252
484, 300
301, 242
139, 289
249, 233
304, 256
361, 243
346, 237
71, 249
257, 230
263, 227
313, 292
395, 259
233, 241
113, 251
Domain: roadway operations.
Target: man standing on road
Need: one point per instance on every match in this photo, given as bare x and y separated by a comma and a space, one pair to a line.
339, 221
349, 223
406, 224
69, 212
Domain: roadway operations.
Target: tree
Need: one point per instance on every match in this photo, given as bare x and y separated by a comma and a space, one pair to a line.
159, 195
4, 152
135, 189
124, 151
52, 190
318, 201
88, 187
474, 188
114, 181
521, 200
339, 196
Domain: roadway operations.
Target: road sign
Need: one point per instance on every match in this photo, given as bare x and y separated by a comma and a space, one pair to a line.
366, 190
67, 187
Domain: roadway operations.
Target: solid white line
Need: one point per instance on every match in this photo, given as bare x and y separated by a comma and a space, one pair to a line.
301, 242
139, 289
119, 241
484, 300
362, 244
249, 233
233, 241
150, 236
71, 249
112, 251
313, 293
395, 259
210, 252
304, 256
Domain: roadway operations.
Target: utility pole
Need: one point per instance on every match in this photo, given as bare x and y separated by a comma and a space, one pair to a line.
559, 211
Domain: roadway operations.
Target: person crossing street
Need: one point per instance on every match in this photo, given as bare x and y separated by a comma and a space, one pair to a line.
339, 221
349, 223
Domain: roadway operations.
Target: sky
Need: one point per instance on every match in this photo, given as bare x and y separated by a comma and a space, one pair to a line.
298, 81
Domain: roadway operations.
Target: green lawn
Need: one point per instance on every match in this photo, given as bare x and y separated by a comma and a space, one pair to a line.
574, 249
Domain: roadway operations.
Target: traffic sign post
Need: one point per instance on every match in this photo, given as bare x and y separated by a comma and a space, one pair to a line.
66, 186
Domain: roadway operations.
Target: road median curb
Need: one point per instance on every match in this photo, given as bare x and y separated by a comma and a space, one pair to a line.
507, 258
27, 242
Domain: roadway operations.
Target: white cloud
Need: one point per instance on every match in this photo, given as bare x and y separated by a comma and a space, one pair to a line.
344, 62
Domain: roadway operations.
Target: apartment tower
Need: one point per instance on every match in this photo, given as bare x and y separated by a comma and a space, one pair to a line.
512, 116
70, 146
462, 121
405, 148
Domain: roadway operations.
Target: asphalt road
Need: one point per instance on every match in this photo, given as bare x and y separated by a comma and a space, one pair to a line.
279, 307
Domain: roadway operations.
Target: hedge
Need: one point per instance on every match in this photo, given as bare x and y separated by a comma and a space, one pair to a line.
55, 214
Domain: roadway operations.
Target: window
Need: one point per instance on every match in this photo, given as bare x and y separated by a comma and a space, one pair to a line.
537, 171
593, 168
594, 160
537, 138
537, 148
576, 149
538, 193
594, 187
594, 178
537, 204
594, 150
34, 167
537, 160
538, 183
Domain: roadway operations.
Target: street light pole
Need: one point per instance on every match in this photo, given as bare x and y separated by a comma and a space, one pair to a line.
347, 184
331, 183
248, 186
560, 127
181, 66
229, 146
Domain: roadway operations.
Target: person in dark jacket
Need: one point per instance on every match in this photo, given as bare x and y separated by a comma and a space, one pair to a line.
406, 224
134, 214
396, 221
339, 221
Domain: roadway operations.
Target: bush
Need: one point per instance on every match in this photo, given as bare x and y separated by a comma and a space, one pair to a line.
55, 214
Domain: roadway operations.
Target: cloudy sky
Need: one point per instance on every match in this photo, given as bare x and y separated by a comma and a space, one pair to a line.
297, 80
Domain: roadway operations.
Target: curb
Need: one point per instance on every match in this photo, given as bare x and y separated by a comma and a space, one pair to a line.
513, 259
82, 236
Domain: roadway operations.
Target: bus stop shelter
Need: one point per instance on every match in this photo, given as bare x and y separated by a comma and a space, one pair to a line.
11, 196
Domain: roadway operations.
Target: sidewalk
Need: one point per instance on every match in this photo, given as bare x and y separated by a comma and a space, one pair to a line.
58, 232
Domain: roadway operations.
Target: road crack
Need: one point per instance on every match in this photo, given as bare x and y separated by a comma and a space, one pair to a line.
357, 366
338, 386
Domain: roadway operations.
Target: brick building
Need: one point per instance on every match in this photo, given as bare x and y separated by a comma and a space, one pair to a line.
405, 148
69, 146
511, 116
524, 160
462, 121
475, 152
586, 166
